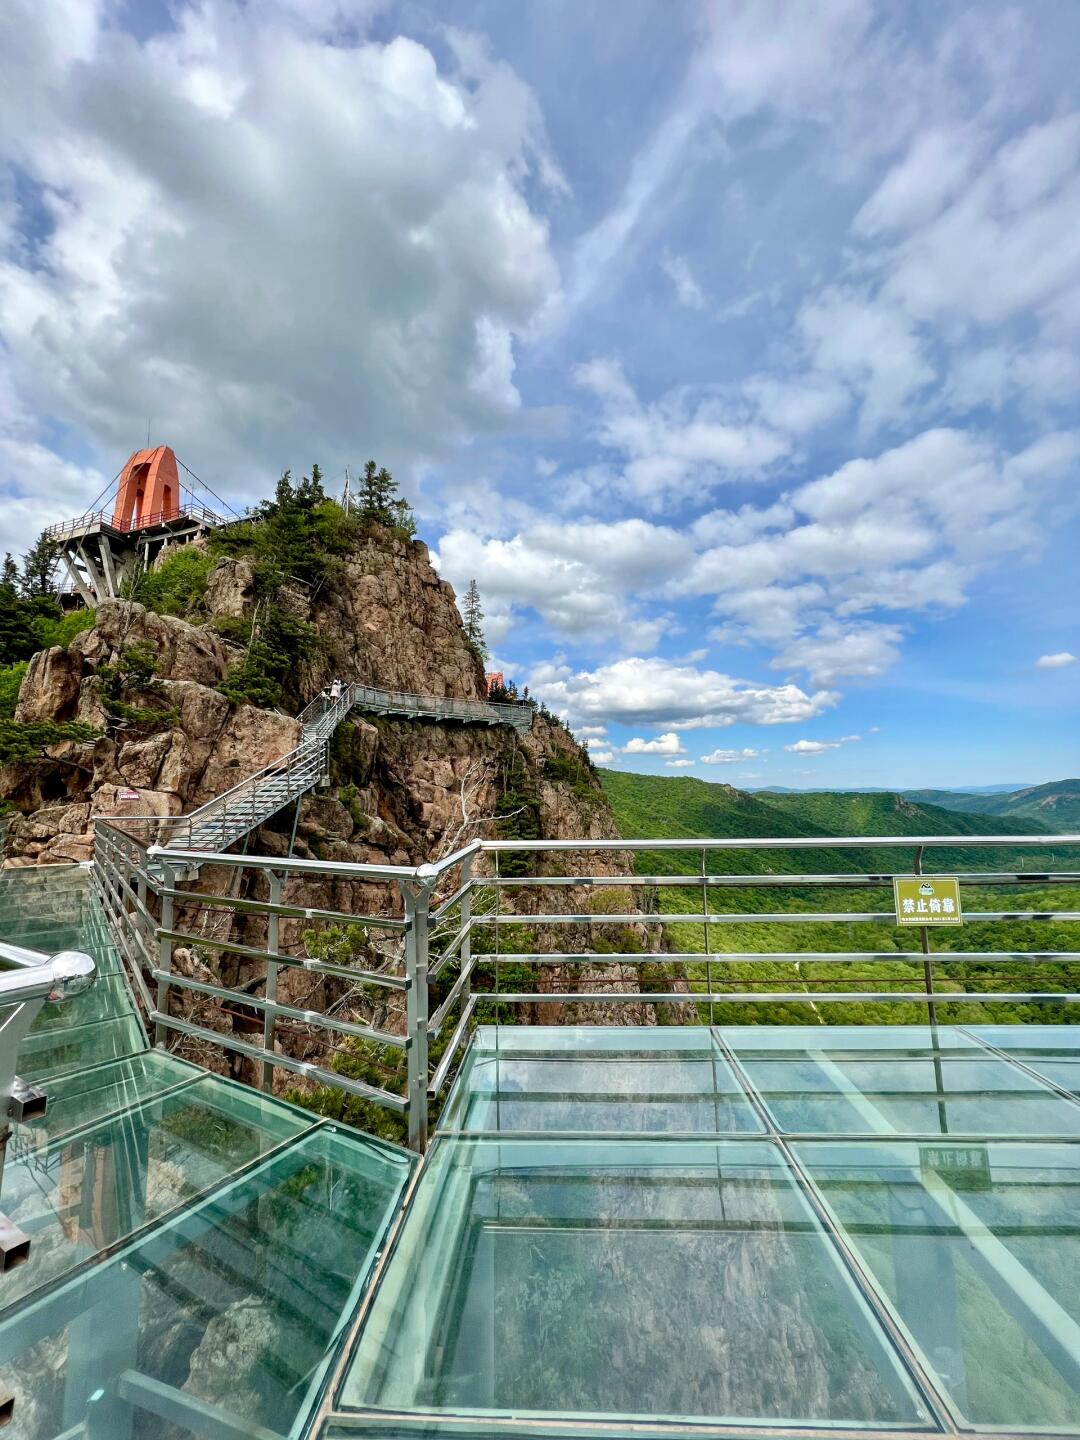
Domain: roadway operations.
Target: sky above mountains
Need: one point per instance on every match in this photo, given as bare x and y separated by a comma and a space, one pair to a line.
731, 347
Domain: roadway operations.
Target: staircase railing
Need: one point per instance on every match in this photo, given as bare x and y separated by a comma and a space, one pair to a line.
445, 946
235, 813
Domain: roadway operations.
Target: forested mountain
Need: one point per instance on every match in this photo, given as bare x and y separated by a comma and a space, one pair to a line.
1055, 806
647, 806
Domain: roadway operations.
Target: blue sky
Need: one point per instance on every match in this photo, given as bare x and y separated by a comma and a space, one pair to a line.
731, 347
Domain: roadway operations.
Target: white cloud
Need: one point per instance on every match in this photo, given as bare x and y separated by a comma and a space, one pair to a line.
819, 747
668, 744
684, 444
591, 732
654, 691
835, 651
682, 764
918, 187
577, 577
269, 241
1057, 661
687, 290
729, 757
870, 345
602, 757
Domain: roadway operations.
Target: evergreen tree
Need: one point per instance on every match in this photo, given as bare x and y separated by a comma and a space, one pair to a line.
473, 616
379, 501
9, 578
39, 568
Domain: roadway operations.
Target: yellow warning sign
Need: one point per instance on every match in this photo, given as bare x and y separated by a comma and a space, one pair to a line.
927, 900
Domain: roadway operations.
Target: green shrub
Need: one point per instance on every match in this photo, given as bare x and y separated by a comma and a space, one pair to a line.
19, 744
132, 675
11, 678
177, 585
63, 629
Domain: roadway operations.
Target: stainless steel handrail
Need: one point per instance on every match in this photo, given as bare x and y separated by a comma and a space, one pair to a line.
473, 911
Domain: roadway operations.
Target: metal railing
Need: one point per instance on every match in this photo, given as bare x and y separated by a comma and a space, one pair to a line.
408, 958
191, 511
434, 707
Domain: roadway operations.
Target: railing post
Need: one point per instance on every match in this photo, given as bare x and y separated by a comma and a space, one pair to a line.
466, 921
928, 965
273, 939
708, 938
165, 951
416, 893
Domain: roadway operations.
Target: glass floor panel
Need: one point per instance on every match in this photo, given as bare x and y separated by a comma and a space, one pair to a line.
87, 1192
221, 1318
978, 1250
953, 1093
633, 1079
619, 1280
45, 1053
80, 1098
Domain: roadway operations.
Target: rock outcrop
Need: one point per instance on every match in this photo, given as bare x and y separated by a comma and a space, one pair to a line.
388, 619
201, 746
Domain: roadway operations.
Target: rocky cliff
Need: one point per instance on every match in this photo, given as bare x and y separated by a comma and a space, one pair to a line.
162, 739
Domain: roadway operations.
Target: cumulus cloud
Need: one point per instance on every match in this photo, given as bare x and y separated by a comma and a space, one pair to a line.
1057, 661
668, 744
602, 757
684, 444
682, 764
265, 240
834, 652
654, 691
578, 577
730, 757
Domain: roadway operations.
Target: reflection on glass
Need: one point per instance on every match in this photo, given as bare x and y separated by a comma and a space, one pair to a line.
579, 1080
606, 1278
951, 1093
89, 1191
235, 1303
978, 1249
87, 1095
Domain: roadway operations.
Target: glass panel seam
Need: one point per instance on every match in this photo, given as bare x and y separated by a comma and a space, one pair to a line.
934, 1400
1014, 1060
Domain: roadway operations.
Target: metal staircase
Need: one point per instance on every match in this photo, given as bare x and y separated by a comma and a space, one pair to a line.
230, 816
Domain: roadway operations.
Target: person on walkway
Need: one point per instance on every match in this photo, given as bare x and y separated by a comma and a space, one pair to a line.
335, 691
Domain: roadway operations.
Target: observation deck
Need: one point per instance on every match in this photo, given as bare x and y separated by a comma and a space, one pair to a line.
712, 1226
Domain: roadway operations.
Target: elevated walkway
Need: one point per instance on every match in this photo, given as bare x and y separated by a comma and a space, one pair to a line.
229, 817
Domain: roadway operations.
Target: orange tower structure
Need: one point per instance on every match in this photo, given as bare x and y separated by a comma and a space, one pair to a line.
149, 490
152, 512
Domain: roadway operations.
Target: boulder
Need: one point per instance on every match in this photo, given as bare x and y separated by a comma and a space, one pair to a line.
230, 589
181, 651
50, 687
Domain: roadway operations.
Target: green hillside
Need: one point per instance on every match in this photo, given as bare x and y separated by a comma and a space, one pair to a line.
665, 807
1055, 806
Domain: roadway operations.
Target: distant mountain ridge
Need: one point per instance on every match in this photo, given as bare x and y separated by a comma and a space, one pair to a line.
672, 807
1055, 806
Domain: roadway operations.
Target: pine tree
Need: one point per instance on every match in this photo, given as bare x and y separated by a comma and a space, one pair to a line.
9, 579
39, 568
473, 616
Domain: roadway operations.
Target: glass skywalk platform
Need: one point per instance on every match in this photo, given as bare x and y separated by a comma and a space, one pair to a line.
749, 1229
196, 1247
617, 1230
